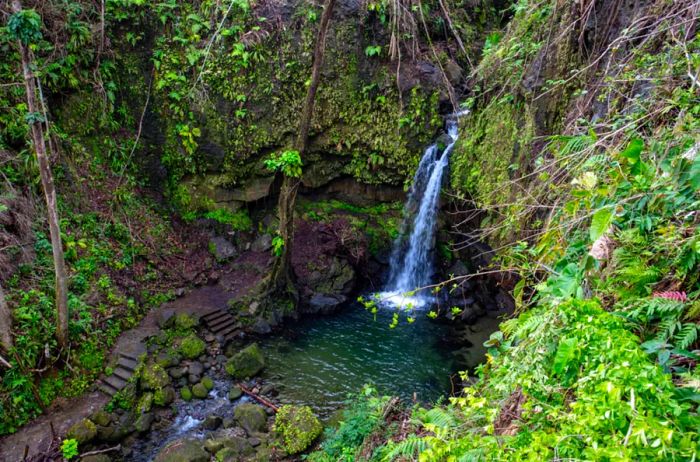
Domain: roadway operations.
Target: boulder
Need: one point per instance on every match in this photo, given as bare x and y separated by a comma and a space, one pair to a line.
234, 449
212, 422
164, 396
186, 394
177, 372
101, 418
246, 363
144, 422
325, 304
192, 346
200, 391
153, 377
196, 368
296, 428
251, 417
222, 248
208, 383
261, 327
234, 393
83, 431
185, 450
145, 403
262, 244
96, 458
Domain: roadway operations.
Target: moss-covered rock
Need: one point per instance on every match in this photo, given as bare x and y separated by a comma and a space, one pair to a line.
246, 363
200, 391
234, 393
187, 450
145, 403
153, 377
183, 321
208, 383
296, 427
164, 396
83, 431
192, 346
186, 394
251, 417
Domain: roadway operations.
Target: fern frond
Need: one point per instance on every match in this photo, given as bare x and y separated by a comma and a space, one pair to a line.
686, 336
439, 417
666, 329
406, 449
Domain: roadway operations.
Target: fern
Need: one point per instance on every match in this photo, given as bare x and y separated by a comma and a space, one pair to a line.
439, 417
406, 449
666, 329
686, 336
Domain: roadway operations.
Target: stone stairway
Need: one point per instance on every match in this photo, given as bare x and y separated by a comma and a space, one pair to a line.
222, 324
126, 365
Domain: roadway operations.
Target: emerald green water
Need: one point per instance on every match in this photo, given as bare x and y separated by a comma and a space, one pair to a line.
320, 361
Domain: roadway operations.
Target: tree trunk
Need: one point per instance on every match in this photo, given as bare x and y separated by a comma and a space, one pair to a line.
5, 323
282, 277
37, 133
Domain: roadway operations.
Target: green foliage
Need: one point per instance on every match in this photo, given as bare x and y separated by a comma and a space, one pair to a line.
239, 220
277, 245
297, 427
25, 26
192, 346
373, 50
288, 162
69, 448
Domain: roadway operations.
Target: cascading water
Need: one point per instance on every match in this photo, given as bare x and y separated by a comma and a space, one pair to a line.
411, 264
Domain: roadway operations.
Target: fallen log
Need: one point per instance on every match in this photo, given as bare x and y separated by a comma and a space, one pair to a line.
258, 398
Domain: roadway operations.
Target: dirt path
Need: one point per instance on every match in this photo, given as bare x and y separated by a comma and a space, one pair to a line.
63, 413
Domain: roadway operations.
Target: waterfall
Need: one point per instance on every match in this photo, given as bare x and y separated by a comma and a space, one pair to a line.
411, 264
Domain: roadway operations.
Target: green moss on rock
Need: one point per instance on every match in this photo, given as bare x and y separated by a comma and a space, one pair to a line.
297, 427
153, 377
186, 394
246, 363
200, 391
192, 346
251, 417
83, 431
208, 383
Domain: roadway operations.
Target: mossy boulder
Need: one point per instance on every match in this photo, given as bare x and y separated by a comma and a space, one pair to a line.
145, 403
200, 391
234, 393
187, 450
83, 431
246, 363
233, 449
192, 346
164, 396
153, 377
184, 321
186, 393
208, 383
296, 427
251, 417
101, 418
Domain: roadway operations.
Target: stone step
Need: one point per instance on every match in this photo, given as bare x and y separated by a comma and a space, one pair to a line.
115, 382
107, 389
225, 323
122, 373
128, 356
210, 318
127, 363
229, 329
232, 335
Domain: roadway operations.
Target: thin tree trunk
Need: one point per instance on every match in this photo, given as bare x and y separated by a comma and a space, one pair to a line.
282, 277
5, 323
37, 133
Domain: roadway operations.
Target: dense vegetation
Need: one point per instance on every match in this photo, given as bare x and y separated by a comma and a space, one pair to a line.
578, 165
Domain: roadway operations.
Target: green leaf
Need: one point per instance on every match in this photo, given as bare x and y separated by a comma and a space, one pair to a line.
566, 353
601, 222
633, 150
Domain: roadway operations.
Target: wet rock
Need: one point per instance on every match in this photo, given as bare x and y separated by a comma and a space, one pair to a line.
453, 72
325, 304
222, 248
246, 363
118, 430
196, 368
200, 391
212, 422
83, 431
192, 379
177, 372
185, 450
234, 393
251, 417
167, 359
144, 422
269, 390
261, 327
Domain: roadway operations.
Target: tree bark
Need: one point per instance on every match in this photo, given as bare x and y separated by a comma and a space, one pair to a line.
282, 275
37, 134
5, 323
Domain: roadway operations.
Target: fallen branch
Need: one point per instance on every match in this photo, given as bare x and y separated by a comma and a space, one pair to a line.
4, 362
101, 451
258, 398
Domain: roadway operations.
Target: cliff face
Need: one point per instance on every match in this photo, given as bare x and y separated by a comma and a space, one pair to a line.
558, 71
